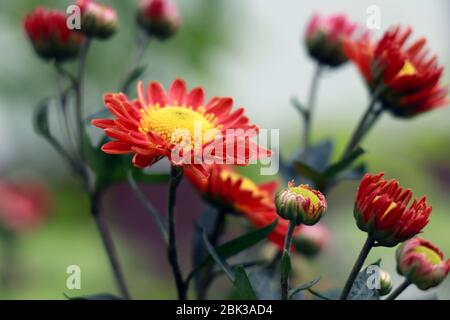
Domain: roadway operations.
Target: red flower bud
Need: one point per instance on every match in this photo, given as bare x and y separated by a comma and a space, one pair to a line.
97, 20
310, 240
301, 204
381, 210
159, 18
22, 205
324, 36
50, 36
422, 263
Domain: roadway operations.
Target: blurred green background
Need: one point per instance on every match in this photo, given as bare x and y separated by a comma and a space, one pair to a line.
252, 51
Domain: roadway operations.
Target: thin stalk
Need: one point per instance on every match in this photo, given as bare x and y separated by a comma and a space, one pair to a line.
284, 279
142, 45
175, 179
109, 248
62, 106
307, 115
148, 207
79, 91
214, 240
399, 290
366, 122
368, 245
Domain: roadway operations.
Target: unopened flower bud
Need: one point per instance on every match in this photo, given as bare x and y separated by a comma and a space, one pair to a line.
159, 18
324, 37
50, 36
97, 20
301, 204
422, 263
310, 240
385, 283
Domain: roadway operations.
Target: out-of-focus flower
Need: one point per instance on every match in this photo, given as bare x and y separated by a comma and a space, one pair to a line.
324, 37
407, 76
311, 240
179, 126
385, 283
422, 263
50, 36
22, 205
159, 18
381, 210
97, 20
301, 204
228, 189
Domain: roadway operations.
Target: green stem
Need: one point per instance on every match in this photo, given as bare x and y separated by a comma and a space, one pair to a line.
367, 121
176, 175
63, 107
142, 45
307, 115
399, 290
357, 267
214, 240
286, 262
109, 247
79, 91
148, 207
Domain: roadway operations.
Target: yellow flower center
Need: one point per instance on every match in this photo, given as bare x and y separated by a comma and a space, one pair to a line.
179, 124
306, 193
408, 69
431, 255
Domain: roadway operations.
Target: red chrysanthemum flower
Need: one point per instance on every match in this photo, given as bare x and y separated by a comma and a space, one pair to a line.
324, 37
381, 210
179, 126
422, 263
159, 18
97, 20
22, 205
407, 75
226, 188
50, 36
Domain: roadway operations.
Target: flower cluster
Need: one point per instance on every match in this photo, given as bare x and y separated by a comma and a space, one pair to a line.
204, 140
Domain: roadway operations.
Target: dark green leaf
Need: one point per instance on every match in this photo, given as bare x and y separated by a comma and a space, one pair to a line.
133, 76
340, 166
285, 266
206, 222
100, 296
236, 246
218, 259
361, 289
264, 286
304, 286
243, 285
319, 155
299, 106
303, 170
41, 124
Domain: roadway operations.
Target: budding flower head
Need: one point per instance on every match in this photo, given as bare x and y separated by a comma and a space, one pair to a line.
385, 283
301, 204
324, 37
97, 20
159, 18
50, 36
384, 210
422, 263
311, 240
